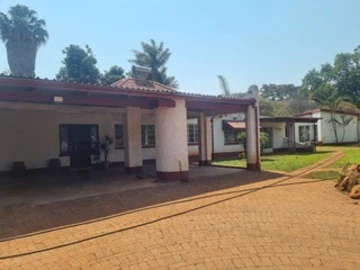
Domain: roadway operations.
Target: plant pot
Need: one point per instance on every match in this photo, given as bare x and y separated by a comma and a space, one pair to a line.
18, 169
106, 165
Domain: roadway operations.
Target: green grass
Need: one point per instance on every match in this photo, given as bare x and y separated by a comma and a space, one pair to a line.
284, 162
352, 155
323, 175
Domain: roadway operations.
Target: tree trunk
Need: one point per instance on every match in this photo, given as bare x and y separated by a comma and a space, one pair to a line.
334, 127
21, 58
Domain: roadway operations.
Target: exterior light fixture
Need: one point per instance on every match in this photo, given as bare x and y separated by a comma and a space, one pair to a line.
58, 99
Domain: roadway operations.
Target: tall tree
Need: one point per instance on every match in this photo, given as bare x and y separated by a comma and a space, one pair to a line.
23, 34
155, 56
114, 74
344, 75
79, 65
279, 91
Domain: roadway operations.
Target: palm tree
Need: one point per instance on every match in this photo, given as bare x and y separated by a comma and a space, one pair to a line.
155, 57
327, 95
224, 85
23, 33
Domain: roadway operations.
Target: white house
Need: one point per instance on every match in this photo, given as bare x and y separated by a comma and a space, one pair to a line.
43, 120
348, 133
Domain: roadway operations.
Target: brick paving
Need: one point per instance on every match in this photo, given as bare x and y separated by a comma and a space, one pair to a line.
294, 223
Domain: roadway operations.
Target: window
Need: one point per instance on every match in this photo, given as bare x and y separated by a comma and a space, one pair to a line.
304, 133
193, 133
148, 135
269, 132
119, 137
64, 140
231, 137
74, 137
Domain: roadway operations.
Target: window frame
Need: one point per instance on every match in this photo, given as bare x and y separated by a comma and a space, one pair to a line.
195, 129
307, 130
146, 136
68, 153
235, 134
122, 136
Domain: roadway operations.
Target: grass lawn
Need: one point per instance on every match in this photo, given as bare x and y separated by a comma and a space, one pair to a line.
323, 175
284, 162
352, 155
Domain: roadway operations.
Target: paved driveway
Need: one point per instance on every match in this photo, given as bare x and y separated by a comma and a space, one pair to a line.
282, 223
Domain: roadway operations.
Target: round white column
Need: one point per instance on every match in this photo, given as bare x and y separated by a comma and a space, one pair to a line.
253, 131
172, 161
133, 147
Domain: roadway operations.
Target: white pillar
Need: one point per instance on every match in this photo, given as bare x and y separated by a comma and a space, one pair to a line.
172, 161
133, 147
202, 139
253, 132
209, 140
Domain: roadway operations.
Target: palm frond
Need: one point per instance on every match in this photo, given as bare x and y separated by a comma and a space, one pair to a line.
224, 85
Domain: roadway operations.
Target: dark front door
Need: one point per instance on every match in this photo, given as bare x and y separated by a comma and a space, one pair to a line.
80, 145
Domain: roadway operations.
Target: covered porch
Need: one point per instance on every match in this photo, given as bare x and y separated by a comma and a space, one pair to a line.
290, 134
46, 121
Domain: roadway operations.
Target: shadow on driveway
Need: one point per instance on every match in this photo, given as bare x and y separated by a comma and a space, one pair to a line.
107, 196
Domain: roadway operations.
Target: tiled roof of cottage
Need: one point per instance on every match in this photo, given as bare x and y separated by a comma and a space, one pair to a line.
143, 85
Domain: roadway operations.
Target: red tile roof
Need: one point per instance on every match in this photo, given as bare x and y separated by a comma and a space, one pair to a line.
142, 85
236, 124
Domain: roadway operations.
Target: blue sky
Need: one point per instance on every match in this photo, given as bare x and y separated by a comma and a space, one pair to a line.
247, 41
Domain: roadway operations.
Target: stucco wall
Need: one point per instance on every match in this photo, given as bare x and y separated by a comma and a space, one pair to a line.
278, 133
326, 132
30, 132
33, 135
219, 138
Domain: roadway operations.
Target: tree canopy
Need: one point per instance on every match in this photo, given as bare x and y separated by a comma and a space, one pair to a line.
343, 75
114, 74
79, 65
155, 56
22, 33
279, 92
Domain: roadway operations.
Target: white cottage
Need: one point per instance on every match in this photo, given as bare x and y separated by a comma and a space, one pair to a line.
348, 133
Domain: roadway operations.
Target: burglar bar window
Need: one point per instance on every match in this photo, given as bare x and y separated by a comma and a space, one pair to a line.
231, 137
119, 137
193, 133
304, 133
148, 135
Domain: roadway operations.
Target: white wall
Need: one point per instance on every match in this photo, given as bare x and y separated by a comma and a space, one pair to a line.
30, 132
327, 132
33, 135
278, 133
219, 138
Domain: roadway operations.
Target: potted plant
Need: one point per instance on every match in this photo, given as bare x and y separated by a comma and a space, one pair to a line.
105, 147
